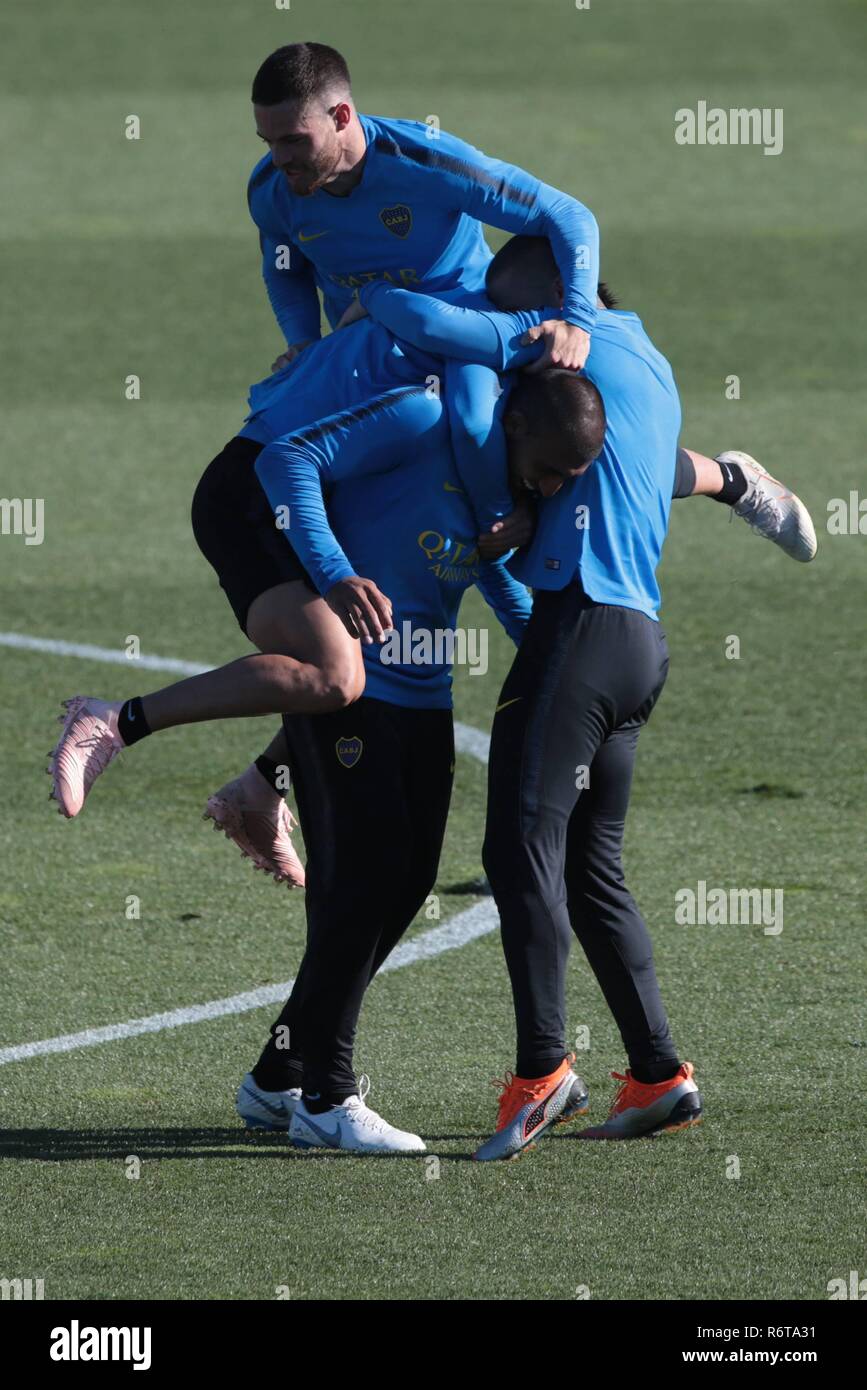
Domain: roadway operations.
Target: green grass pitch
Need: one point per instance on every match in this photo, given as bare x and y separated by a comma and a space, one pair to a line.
129, 257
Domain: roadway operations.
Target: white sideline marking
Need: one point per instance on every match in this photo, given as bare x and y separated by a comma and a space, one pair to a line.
466, 926
86, 652
467, 739
476, 921
472, 741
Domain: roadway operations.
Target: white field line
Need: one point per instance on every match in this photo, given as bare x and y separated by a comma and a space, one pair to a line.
467, 739
476, 921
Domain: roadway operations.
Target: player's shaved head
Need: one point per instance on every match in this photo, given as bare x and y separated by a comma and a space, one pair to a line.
524, 275
301, 73
561, 402
555, 428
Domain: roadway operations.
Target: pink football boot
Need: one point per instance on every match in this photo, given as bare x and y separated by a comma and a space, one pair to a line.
88, 744
254, 815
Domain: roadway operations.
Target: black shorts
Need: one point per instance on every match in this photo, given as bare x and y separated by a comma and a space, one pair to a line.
236, 530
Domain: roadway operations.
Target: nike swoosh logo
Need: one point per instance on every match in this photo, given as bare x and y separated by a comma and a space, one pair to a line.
129, 714
506, 703
314, 237
280, 1110
450, 487
330, 1141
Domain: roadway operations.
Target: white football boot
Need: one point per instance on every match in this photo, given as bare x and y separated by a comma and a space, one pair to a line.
352, 1126
265, 1109
771, 509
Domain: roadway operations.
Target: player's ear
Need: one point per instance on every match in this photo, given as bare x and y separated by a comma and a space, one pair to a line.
341, 114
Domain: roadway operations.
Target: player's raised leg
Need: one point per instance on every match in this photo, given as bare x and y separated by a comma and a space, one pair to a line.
325, 672
768, 506
308, 658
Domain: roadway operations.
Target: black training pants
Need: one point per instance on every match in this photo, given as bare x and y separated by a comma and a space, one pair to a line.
582, 684
372, 784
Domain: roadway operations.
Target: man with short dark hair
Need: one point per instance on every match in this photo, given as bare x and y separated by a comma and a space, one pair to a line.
587, 675
558, 421
345, 199
600, 453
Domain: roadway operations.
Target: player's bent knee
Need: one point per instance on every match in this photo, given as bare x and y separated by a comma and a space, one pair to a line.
340, 686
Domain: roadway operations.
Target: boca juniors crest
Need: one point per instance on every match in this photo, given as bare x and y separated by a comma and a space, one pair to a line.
348, 751
397, 219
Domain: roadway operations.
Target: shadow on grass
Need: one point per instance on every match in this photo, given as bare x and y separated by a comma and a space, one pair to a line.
75, 1145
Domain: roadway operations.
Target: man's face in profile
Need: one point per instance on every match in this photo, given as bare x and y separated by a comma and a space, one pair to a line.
304, 143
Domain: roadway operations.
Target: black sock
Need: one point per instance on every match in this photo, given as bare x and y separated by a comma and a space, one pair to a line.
131, 722
277, 1075
734, 484
653, 1072
317, 1102
529, 1069
269, 770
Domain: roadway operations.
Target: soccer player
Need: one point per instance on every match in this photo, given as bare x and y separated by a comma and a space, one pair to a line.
343, 199
585, 680
588, 673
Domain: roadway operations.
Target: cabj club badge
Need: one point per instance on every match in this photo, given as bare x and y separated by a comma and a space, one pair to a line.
397, 219
348, 751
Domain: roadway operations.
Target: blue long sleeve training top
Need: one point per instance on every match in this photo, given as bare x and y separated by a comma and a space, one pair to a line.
374, 491
361, 361
607, 527
414, 219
